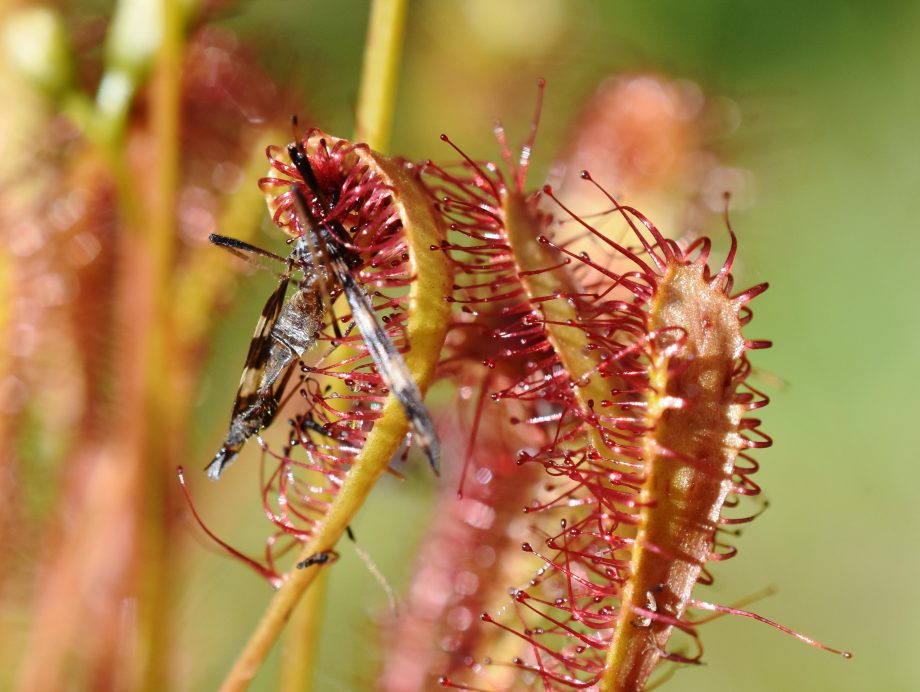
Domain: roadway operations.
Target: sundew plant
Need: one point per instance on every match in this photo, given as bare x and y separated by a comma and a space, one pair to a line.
564, 325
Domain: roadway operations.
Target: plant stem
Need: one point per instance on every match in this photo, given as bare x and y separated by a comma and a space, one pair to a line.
161, 445
302, 639
382, 52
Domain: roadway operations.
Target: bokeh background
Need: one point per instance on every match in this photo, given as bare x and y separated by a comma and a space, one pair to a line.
818, 109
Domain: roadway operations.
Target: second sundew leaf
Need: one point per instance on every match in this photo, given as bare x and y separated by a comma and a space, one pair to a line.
547, 278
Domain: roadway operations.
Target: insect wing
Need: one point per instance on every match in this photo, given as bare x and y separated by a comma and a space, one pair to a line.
260, 349
250, 410
390, 364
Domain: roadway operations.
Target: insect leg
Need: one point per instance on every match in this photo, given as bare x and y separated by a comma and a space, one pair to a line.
241, 246
318, 559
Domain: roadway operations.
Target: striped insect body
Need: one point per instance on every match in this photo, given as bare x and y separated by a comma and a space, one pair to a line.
286, 329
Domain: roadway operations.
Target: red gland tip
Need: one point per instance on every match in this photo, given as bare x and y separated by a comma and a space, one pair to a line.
585, 175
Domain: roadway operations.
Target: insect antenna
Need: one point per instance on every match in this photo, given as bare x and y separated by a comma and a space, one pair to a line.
241, 248
248, 253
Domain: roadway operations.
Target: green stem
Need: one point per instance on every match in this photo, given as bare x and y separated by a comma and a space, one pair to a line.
302, 638
382, 52
161, 445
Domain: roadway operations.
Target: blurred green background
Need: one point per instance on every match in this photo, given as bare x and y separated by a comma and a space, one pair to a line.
829, 107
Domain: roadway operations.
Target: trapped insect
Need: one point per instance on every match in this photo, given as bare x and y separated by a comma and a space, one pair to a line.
288, 327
